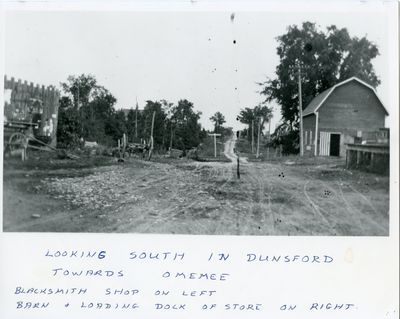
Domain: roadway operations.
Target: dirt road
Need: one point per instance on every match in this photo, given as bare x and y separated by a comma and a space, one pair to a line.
229, 151
187, 197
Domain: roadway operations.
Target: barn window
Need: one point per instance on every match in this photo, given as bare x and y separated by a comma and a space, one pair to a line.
311, 140
306, 137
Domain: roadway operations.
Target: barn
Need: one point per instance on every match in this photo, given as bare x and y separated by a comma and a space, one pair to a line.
340, 115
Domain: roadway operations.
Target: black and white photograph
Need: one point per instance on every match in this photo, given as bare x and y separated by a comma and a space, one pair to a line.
196, 122
204, 159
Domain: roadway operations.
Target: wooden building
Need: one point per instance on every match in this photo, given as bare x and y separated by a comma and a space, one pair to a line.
340, 115
28, 103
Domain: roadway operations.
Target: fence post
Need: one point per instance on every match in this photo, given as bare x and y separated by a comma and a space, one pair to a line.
123, 145
238, 167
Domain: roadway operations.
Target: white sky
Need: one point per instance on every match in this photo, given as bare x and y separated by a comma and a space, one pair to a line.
171, 55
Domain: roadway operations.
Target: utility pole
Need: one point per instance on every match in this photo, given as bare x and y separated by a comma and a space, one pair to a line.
269, 128
119, 148
137, 108
77, 104
300, 112
252, 136
215, 142
151, 136
124, 142
258, 138
269, 136
170, 141
238, 166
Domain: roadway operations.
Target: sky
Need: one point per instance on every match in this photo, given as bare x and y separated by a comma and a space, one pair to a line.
202, 56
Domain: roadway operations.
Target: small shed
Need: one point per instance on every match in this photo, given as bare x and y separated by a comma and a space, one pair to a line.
341, 115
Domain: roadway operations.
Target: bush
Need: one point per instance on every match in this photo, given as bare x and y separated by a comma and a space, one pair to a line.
289, 141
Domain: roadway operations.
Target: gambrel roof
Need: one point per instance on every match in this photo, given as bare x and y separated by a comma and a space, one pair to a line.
317, 101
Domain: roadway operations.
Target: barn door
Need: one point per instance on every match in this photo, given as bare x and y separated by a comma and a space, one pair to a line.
324, 143
334, 149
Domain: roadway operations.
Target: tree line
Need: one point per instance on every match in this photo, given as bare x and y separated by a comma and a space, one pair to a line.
87, 113
323, 58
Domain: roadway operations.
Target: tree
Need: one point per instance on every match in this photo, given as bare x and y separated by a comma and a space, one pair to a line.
263, 114
246, 116
68, 128
168, 124
258, 115
98, 116
80, 88
159, 130
91, 106
218, 119
131, 124
188, 132
115, 127
326, 58
286, 137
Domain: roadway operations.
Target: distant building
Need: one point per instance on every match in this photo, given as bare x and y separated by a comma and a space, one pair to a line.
340, 115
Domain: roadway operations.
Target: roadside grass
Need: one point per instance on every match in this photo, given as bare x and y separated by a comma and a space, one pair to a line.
206, 150
269, 154
49, 160
89, 158
243, 146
